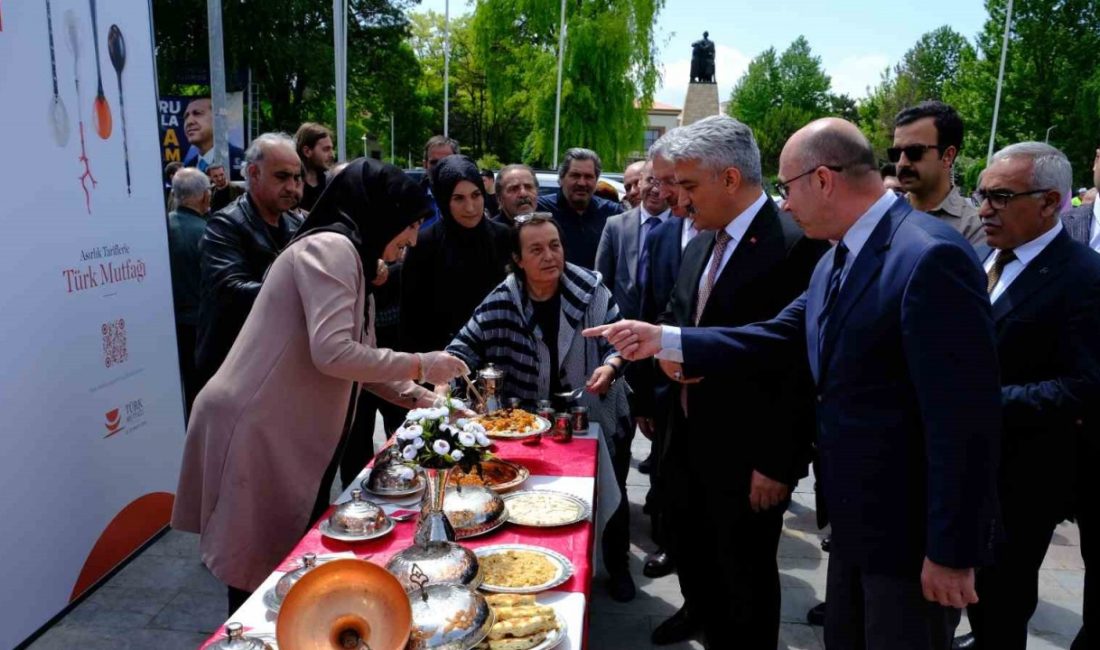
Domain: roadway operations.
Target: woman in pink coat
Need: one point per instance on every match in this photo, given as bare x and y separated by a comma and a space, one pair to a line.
266, 431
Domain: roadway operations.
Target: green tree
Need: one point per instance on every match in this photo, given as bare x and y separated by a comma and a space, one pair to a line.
932, 64
1051, 79
288, 46
778, 95
609, 75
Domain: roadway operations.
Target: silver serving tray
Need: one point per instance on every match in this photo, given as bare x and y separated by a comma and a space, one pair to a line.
584, 510
563, 568
421, 484
327, 530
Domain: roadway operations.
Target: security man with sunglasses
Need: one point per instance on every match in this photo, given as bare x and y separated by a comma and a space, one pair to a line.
927, 139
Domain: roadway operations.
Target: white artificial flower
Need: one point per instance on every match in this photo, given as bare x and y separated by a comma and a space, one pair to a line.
456, 404
466, 438
441, 447
456, 455
409, 452
418, 443
446, 428
475, 427
482, 439
462, 423
415, 415
415, 431
405, 473
438, 413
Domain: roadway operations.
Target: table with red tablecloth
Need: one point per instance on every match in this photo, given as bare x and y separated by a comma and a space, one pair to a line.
576, 467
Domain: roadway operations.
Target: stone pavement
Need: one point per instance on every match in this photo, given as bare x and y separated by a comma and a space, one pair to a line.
165, 599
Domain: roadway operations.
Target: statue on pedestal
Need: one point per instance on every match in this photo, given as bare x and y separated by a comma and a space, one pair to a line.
702, 60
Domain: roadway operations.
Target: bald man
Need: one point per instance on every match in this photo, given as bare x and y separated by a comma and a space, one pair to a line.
897, 330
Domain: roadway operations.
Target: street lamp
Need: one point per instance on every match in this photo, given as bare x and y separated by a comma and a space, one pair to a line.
1049, 129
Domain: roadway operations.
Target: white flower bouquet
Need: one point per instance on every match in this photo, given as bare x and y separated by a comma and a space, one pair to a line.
438, 438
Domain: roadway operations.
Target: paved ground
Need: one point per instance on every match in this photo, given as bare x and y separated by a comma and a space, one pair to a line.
166, 599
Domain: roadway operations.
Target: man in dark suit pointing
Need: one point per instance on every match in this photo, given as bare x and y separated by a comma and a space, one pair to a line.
897, 330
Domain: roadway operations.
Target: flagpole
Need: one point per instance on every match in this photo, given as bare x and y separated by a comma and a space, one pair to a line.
557, 103
340, 49
446, 67
1000, 82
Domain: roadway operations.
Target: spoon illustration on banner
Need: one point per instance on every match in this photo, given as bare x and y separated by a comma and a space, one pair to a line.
59, 117
72, 31
102, 109
116, 46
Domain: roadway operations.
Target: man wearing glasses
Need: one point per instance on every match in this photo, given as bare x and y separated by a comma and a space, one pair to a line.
897, 331
927, 139
1045, 291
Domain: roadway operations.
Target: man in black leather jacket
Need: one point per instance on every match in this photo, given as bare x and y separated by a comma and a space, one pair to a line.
240, 243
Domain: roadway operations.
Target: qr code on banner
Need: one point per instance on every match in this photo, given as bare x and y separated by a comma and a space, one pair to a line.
114, 343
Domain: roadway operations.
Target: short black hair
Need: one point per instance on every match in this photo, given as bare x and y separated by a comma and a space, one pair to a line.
579, 153
949, 126
522, 221
487, 173
888, 169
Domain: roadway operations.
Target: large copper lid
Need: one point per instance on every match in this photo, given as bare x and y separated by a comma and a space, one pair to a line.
342, 604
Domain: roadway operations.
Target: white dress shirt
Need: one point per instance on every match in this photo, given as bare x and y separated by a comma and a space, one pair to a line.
1024, 254
1094, 230
688, 233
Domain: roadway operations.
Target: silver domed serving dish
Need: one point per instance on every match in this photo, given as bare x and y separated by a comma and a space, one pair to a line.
473, 510
235, 639
356, 520
395, 480
448, 617
441, 562
273, 598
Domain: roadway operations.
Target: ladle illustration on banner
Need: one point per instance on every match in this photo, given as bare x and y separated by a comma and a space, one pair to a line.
59, 116
116, 46
72, 31
102, 108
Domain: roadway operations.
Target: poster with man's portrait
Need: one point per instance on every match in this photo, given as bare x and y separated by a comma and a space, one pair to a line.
187, 132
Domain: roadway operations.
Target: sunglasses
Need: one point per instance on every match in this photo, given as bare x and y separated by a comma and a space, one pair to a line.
913, 152
783, 186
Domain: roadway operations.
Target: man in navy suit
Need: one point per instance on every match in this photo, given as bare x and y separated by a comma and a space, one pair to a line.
897, 329
1083, 225
1045, 290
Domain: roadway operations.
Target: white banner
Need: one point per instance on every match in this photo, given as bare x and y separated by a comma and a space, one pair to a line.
92, 427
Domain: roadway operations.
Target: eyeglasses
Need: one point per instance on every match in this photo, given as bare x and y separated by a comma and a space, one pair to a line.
784, 186
998, 199
533, 218
913, 152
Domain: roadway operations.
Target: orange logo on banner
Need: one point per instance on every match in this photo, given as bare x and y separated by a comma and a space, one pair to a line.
113, 423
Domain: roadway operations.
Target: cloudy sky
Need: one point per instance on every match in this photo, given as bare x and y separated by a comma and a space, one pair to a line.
856, 39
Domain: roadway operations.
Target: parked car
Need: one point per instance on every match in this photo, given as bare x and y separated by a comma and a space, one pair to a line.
548, 180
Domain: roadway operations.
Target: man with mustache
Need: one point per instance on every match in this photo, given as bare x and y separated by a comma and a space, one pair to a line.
927, 140
517, 191
198, 126
575, 207
240, 243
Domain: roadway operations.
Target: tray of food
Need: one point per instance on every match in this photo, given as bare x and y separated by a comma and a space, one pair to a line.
512, 424
522, 624
545, 508
496, 474
521, 568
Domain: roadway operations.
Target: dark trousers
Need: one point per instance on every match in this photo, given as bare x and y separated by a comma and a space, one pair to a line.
657, 499
725, 553
1008, 591
869, 611
1088, 522
236, 599
616, 535
360, 446
189, 377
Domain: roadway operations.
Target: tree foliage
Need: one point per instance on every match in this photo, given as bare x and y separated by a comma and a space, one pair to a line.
288, 46
609, 72
779, 94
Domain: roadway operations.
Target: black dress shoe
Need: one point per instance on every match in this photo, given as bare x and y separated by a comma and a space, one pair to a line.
621, 587
658, 565
826, 542
678, 627
646, 465
964, 642
816, 615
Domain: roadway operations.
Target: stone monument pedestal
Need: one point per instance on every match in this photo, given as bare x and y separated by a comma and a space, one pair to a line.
701, 101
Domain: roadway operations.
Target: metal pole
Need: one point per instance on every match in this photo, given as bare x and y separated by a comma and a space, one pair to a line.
217, 83
364, 145
1049, 129
1000, 82
340, 45
557, 103
446, 67
393, 156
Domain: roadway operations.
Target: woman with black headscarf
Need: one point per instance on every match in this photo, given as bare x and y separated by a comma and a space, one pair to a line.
265, 432
458, 260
